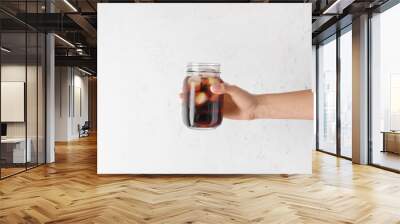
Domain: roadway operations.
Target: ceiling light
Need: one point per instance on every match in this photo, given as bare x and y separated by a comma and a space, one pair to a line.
5, 50
79, 51
64, 40
84, 71
70, 5
337, 7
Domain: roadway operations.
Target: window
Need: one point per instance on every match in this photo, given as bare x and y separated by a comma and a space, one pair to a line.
327, 96
385, 89
346, 93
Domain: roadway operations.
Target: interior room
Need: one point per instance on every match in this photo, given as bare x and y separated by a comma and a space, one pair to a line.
160, 111
22, 104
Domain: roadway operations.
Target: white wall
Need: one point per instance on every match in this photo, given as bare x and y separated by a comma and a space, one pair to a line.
79, 117
15, 73
142, 53
61, 103
67, 84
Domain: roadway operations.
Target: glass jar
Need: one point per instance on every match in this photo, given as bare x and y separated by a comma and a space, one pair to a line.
201, 108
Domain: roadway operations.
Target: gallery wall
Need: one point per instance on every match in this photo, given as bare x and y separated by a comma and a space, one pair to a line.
142, 53
71, 102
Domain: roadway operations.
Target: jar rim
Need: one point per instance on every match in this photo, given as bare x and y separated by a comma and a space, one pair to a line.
203, 67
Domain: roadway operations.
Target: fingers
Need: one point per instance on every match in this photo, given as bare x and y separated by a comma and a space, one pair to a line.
224, 88
243, 99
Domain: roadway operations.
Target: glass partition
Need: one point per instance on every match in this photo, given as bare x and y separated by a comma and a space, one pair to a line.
14, 155
22, 100
41, 97
32, 95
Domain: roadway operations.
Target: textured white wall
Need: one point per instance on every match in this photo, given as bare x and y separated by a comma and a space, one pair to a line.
142, 53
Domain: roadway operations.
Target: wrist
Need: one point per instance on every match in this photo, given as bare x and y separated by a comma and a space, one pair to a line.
261, 109
256, 110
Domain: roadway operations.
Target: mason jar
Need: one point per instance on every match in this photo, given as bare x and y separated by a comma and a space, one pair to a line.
201, 108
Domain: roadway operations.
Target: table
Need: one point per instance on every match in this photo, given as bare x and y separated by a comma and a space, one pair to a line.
13, 150
391, 141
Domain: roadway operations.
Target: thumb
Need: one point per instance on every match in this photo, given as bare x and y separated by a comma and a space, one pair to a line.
218, 88
241, 97
225, 88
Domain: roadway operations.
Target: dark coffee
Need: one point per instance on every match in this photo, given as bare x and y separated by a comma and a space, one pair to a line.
201, 108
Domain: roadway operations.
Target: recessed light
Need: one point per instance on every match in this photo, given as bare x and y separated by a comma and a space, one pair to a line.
84, 71
70, 5
337, 7
5, 50
64, 40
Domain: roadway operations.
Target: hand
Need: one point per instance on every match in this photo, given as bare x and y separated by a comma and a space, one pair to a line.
242, 105
238, 103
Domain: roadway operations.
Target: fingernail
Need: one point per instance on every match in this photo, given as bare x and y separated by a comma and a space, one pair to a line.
217, 88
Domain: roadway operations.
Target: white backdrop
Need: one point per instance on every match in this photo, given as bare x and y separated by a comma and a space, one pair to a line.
142, 53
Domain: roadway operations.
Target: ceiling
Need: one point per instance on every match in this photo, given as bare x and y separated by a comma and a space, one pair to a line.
75, 22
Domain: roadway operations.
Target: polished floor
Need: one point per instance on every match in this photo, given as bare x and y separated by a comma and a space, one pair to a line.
70, 191
386, 159
9, 171
5, 172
